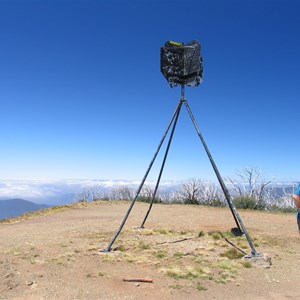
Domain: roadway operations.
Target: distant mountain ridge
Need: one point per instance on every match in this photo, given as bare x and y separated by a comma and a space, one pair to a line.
14, 207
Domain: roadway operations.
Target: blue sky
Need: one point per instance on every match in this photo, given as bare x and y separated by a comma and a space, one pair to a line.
82, 95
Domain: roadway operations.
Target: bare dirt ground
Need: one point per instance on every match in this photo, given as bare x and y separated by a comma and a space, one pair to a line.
56, 255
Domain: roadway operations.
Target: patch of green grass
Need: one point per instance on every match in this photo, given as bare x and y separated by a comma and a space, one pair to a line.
178, 254
175, 286
226, 276
215, 235
246, 264
174, 274
59, 263
35, 259
108, 258
201, 233
200, 287
143, 245
220, 243
228, 234
225, 264
186, 273
243, 244
221, 280
161, 231
199, 259
232, 253
164, 231
16, 252
160, 254
130, 258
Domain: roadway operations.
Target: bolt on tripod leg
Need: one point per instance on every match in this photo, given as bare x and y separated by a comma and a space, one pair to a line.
234, 212
108, 248
162, 166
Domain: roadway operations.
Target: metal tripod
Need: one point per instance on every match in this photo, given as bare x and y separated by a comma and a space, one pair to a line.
241, 228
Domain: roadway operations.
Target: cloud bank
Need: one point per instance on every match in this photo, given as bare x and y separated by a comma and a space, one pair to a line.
62, 191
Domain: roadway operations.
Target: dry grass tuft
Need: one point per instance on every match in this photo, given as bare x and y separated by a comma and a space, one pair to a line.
232, 253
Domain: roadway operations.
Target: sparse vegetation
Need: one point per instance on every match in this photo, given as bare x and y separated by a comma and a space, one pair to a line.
121, 248
142, 245
175, 286
185, 272
200, 287
232, 253
201, 233
247, 264
187, 258
215, 235
245, 202
251, 191
248, 191
164, 231
160, 254
178, 254
225, 264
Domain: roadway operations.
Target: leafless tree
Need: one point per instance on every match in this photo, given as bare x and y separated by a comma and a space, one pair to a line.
122, 193
280, 197
191, 191
176, 197
210, 194
84, 195
165, 196
91, 193
96, 193
250, 185
147, 192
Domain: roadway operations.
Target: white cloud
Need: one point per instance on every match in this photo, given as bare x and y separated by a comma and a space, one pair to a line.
41, 190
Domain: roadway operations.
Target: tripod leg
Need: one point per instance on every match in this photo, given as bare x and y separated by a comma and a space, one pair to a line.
162, 166
234, 212
108, 248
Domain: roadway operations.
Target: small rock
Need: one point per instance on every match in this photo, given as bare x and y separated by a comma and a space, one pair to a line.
29, 282
137, 284
7, 275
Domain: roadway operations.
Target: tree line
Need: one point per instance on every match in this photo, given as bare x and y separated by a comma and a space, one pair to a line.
249, 190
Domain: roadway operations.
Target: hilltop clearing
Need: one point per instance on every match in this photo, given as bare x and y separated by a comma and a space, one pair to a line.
187, 251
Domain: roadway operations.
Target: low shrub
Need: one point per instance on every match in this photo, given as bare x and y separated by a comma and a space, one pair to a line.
245, 202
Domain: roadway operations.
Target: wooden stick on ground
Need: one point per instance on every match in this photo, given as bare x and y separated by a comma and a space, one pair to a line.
177, 241
137, 280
